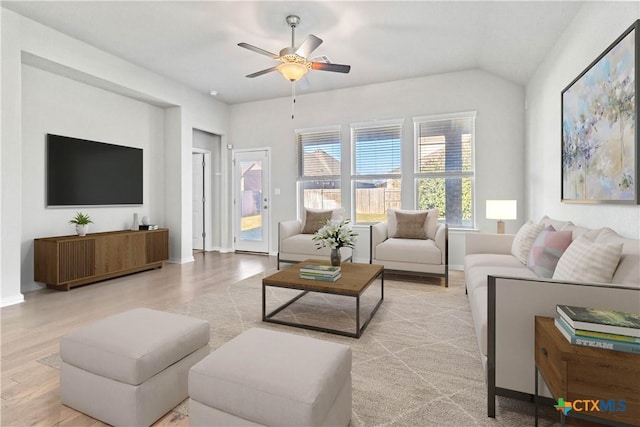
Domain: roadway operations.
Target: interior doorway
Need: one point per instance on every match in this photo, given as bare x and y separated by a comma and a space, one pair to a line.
205, 170
199, 200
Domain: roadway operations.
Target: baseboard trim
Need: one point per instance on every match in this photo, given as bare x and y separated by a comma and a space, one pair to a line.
17, 299
181, 261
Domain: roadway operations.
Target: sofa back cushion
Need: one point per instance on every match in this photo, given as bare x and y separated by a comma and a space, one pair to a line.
523, 241
559, 225
430, 225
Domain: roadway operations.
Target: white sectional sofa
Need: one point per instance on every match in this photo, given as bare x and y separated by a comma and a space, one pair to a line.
505, 295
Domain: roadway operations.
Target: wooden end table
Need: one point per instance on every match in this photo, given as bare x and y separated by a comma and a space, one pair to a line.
356, 278
579, 373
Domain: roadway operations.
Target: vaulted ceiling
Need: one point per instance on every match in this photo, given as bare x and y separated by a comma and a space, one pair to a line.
195, 42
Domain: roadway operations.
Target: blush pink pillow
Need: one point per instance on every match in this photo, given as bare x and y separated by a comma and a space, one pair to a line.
547, 250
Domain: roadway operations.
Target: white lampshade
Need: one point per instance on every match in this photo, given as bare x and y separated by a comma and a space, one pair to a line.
502, 209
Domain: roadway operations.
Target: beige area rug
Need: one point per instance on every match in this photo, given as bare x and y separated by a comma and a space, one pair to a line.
417, 364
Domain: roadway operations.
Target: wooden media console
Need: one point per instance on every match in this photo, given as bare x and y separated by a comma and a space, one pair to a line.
68, 261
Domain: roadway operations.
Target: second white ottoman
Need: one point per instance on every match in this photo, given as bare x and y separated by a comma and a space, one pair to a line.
270, 378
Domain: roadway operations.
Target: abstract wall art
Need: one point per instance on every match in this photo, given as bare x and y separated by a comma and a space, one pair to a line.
600, 127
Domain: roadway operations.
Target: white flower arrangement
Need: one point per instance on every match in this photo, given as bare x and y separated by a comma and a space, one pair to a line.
336, 235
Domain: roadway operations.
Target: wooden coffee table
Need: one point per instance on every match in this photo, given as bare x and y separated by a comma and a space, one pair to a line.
356, 278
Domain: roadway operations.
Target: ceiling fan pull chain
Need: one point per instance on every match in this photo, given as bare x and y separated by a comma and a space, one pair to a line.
293, 99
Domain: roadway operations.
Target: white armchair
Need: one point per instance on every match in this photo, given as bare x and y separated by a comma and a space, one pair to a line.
410, 244
295, 242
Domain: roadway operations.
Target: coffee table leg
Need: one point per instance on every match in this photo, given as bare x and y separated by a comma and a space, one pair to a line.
264, 302
358, 316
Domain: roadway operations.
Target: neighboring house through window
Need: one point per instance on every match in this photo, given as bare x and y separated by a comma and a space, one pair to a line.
376, 172
444, 167
319, 159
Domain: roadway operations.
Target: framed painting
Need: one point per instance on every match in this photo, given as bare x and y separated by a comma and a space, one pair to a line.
600, 127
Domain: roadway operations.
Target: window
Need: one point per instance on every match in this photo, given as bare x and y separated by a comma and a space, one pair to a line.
319, 157
375, 177
444, 174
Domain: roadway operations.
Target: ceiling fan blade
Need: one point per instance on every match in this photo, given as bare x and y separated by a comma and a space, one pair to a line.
259, 73
309, 44
258, 50
304, 83
338, 68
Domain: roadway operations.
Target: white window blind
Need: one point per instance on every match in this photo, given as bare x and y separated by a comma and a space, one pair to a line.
377, 150
319, 167
444, 172
376, 169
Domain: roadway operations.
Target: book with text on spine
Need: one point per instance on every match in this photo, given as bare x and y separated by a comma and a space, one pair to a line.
323, 278
599, 320
565, 330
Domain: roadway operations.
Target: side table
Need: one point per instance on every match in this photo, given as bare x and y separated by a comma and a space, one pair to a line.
583, 375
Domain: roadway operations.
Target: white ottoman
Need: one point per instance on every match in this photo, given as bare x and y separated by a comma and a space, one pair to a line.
269, 378
131, 368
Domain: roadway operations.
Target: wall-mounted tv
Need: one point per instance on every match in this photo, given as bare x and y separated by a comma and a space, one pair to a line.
89, 173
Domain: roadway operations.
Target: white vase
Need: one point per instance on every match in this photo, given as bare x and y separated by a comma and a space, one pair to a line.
82, 229
136, 223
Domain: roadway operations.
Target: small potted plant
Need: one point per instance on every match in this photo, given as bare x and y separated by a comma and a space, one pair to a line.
82, 222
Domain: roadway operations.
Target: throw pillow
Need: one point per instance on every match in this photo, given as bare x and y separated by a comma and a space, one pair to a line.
410, 225
430, 225
588, 261
547, 250
524, 239
314, 220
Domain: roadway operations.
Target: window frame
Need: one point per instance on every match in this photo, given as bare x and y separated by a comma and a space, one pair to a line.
354, 177
300, 178
471, 174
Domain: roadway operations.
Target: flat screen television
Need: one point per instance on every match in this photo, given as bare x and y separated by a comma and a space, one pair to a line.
90, 173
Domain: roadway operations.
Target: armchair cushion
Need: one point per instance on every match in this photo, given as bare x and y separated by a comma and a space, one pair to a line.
430, 225
417, 251
411, 225
314, 220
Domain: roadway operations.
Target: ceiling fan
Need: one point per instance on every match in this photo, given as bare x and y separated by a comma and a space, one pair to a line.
293, 60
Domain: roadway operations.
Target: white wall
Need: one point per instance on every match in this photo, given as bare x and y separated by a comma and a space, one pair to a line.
58, 105
499, 133
593, 29
180, 111
10, 155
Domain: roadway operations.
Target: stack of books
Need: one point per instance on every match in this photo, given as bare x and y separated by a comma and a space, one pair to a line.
327, 273
592, 327
148, 227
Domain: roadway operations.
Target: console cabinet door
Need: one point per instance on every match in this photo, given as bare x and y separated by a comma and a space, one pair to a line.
76, 260
157, 244
119, 252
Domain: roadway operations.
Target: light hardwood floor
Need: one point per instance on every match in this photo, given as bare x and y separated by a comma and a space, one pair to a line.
32, 330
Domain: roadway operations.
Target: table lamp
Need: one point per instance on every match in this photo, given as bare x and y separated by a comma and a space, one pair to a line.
501, 210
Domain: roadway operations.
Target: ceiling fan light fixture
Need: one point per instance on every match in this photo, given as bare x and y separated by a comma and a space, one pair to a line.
293, 71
